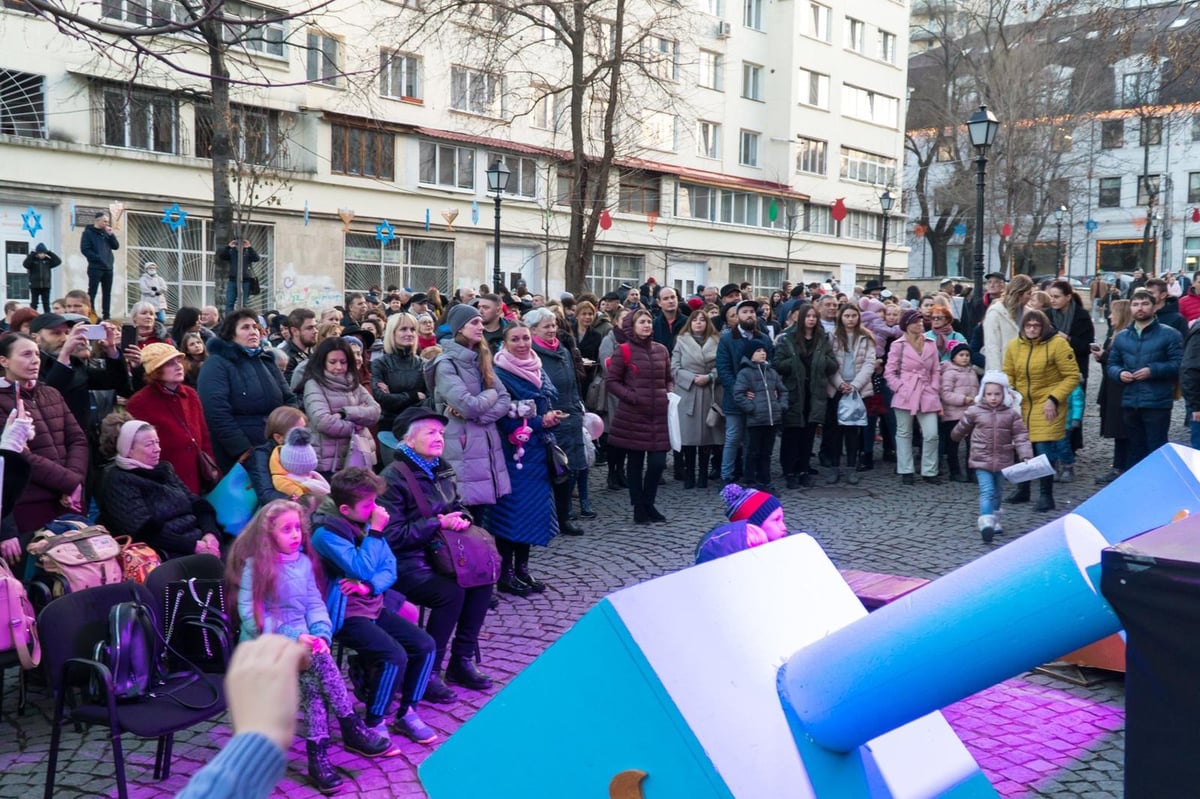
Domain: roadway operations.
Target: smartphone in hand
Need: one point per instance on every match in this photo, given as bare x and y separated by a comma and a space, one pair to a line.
128, 337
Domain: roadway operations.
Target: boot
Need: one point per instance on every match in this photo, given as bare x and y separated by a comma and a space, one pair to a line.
522, 575
654, 515
677, 465
640, 516
1045, 494
438, 692
852, 471
1021, 494
567, 527
689, 467
793, 481
833, 475
462, 671
866, 462
320, 770
1067, 475
356, 737
987, 527
509, 584
715, 472
702, 467
585, 509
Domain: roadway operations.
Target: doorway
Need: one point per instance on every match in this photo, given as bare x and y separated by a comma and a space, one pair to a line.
686, 277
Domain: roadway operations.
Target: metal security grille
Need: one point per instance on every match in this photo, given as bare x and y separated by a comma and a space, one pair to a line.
405, 262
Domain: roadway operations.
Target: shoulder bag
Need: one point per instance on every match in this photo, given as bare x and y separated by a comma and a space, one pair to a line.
469, 556
206, 465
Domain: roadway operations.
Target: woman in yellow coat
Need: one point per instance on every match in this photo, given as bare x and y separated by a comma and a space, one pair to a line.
1041, 366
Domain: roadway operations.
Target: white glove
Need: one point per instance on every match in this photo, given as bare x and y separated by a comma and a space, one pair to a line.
17, 433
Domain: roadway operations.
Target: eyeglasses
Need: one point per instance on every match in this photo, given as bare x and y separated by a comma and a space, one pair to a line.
938, 316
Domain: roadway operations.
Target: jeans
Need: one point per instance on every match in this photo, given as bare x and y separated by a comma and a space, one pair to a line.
904, 447
990, 486
231, 294
735, 432
1061, 451
1195, 428
1148, 430
100, 278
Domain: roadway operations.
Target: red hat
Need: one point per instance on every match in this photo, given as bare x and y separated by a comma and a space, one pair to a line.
649, 280
695, 303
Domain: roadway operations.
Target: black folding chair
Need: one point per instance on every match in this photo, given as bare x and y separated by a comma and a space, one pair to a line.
79, 620
202, 567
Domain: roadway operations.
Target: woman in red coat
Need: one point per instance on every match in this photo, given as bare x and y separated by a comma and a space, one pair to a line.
639, 376
174, 410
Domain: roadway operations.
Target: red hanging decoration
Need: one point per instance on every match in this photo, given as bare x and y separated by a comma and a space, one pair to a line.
605, 219
839, 209
1196, 214
651, 219
919, 230
1006, 230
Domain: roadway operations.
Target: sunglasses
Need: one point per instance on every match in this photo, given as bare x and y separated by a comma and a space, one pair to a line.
943, 318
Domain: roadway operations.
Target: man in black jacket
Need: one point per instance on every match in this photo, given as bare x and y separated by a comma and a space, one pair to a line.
229, 255
668, 321
97, 245
38, 264
1166, 307
1189, 381
62, 344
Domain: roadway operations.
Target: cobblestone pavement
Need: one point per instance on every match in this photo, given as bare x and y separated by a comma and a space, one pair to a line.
1033, 735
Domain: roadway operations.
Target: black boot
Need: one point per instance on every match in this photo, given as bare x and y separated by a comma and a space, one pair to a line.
689, 467
702, 472
640, 516
438, 692
1020, 495
654, 515
320, 770
462, 671
535, 586
956, 473
509, 584
357, 737
866, 462
1045, 494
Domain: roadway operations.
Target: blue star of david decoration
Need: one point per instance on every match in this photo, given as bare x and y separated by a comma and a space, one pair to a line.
385, 232
174, 217
306, 213
426, 219
475, 213
31, 221
960, 230
1091, 225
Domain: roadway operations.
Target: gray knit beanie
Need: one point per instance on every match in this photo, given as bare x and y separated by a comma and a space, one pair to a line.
458, 316
297, 455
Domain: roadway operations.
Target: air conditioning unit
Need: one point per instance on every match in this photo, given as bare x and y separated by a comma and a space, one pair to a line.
724, 30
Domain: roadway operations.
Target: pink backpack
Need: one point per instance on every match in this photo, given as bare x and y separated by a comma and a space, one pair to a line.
19, 628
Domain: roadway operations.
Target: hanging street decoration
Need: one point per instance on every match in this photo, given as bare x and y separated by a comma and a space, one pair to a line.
773, 210
1092, 224
174, 217
475, 212
1138, 222
1006, 229
960, 230
450, 214
838, 212
116, 212
1196, 214
385, 232
426, 220
652, 219
73, 216
919, 230
605, 219
306, 213
31, 221
347, 216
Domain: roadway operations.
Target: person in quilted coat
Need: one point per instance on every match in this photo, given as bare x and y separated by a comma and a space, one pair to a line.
338, 406
959, 387
639, 377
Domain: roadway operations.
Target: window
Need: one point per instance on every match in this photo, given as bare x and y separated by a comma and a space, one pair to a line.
714, 7
748, 148
818, 22
751, 81
447, 166
662, 58
323, 58
610, 270
709, 203
475, 92
266, 37
1139, 88
140, 118
752, 14
22, 104
1060, 140
708, 139
1196, 127
1150, 132
403, 261
657, 131
522, 174
141, 12
549, 110
255, 133
763, 280
363, 153
1148, 186
887, 46
869, 106
817, 219
947, 149
1193, 187
856, 35
864, 167
1112, 134
864, 226
565, 186
811, 156
640, 193
399, 75
711, 68
814, 89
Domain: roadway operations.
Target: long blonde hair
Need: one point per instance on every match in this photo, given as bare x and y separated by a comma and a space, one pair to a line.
1119, 316
1012, 295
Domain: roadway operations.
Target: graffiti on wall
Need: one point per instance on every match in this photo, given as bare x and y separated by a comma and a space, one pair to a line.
295, 290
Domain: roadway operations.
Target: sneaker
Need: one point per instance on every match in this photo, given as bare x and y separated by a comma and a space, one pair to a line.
585, 510
410, 726
1067, 475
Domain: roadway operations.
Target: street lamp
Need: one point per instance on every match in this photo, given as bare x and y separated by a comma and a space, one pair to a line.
1058, 262
886, 200
497, 178
981, 127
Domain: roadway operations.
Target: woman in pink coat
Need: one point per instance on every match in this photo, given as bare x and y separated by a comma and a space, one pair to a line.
914, 376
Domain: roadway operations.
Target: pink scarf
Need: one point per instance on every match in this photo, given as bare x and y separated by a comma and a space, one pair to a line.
528, 369
546, 345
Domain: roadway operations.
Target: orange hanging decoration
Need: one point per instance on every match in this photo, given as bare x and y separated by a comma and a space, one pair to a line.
651, 219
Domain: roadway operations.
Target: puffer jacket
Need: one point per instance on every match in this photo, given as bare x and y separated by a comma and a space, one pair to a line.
238, 392
994, 434
915, 378
559, 367
1159, 347
409, 531
473, 447
296, 609
639, 377
731, 349
346, 552
153, 506
1040, 370
806, 384
770, 396
960, 384
404, 375
864, 366
332, 432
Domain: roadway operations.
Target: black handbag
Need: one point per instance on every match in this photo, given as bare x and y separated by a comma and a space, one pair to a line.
128, 651
197, 623
557, 462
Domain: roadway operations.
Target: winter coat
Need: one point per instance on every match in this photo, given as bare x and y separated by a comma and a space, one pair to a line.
296, 609
1112, 421
999, 328
39, 268
229, 255
1189, 369
1170, 316
1040, 370
770, 396
1157, 346
57, 454
915, 378
75, 382
97, 247
153, 506
559, 368
473, 446
349, 552
409, 530
806, 384
238, 392
882, 331
333, 432
259, 466
959, 386
731, 349
1189, 306
153, 289
403, 374
639, 377
1081, 335
864, 366
296, 356
994, 434
665, 332
526, 515
953, 335
182, 431
690, 360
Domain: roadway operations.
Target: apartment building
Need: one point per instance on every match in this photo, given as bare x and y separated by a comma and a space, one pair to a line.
361, 149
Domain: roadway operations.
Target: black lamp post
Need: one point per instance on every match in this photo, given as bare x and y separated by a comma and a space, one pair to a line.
1058, 218
981, 127
497, 178
886, 200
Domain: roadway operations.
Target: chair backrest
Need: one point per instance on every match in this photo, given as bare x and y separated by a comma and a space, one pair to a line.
74, 623
204, 567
